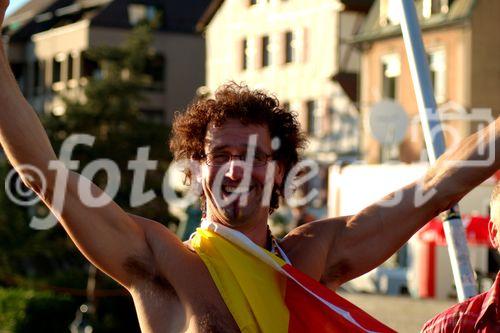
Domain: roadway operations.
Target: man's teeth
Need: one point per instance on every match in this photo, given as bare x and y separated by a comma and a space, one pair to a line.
235, 189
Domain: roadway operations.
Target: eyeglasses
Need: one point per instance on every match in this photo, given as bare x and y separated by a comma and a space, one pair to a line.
221, 158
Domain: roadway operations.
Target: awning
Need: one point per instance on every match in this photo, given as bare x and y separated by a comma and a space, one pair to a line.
476, 231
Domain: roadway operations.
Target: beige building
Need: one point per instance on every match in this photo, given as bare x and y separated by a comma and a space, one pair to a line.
463, 51
293, 49
47, 40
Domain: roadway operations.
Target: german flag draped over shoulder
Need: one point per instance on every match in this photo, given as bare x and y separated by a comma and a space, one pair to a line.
266, 294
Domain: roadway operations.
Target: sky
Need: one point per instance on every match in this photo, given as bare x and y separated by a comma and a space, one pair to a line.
15, 4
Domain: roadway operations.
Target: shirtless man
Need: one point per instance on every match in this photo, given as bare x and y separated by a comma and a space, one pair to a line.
170, 285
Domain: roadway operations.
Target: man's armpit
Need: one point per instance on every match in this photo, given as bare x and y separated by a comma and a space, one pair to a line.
142, 271
336, 273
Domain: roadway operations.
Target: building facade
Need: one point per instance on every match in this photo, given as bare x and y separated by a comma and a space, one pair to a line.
48, 39
462, 52
296, 50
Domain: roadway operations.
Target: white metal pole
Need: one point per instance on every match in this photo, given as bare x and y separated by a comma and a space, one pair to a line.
434, 140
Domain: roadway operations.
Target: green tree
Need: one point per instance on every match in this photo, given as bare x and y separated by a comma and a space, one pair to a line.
110, 112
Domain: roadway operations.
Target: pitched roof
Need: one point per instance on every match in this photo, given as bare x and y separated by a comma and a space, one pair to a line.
178, 16
208, 15
30, 18
30, 9
350, 5
42, 15
371, 30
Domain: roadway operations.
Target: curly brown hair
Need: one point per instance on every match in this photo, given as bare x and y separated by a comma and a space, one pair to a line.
236, 101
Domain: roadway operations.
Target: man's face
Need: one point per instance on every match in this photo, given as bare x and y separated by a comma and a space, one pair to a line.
220, 182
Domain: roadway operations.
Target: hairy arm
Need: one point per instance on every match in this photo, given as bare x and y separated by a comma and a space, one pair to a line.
351, 246
105, 235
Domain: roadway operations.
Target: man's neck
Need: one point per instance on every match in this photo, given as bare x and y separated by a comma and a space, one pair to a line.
256, 232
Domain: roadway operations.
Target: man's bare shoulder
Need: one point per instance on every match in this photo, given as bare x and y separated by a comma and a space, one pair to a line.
158, 235
170, 257
312, 231
308, 246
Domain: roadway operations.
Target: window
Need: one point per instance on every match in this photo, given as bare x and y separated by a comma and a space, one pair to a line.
289, 48
265, 59
138, 13
244, 54
437, 66
90, 68
390, 12
433, 7
312, 118
70, 67
155, 69
296, 46
445, 7
334, 118
391, 69
57, 68
38, 76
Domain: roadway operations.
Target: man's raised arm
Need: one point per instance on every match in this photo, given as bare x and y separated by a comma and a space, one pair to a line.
105, 235
352, 246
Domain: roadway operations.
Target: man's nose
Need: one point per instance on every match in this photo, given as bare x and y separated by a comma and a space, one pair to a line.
235, 169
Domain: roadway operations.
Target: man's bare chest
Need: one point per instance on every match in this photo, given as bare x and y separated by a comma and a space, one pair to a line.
187, 302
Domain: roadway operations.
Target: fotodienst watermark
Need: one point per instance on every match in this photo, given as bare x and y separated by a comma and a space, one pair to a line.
249, 162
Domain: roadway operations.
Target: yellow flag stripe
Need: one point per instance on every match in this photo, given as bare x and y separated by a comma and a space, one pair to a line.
252, 290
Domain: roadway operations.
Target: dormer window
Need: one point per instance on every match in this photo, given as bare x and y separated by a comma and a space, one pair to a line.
434, 7
390, 12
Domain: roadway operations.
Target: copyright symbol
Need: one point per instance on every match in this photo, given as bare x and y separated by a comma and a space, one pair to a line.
15, 189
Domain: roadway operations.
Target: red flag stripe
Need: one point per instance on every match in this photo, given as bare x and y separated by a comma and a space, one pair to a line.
309, 314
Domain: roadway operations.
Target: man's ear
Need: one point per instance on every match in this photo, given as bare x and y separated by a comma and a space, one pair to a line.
279, 174
493, 233
196, 178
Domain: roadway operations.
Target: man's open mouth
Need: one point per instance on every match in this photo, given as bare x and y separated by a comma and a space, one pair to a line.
230, 189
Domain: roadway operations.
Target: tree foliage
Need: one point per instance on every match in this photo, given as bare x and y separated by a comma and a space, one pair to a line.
111, 113
24, 311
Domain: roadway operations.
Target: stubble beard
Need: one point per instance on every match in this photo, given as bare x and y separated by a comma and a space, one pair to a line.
234, 214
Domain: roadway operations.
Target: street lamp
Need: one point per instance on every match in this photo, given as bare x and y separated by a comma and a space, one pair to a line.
81, 324
83, 319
